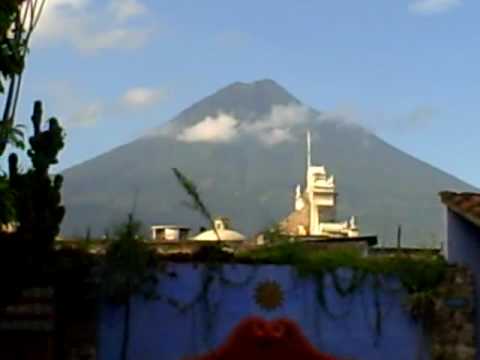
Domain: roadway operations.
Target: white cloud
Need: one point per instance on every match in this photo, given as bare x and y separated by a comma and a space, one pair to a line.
275, 128
287, 123
346, 113
86, 116
222, 128
142, 96
430, 7
123, 10
276, 136
71, 107
127, 38
57, 14
90, 27
281, 116
79, 108
382, 120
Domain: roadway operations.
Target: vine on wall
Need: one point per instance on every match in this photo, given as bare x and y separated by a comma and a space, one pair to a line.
419, 276
347, 271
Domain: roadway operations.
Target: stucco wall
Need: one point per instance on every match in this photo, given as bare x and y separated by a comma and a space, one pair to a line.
463, 247
185, 323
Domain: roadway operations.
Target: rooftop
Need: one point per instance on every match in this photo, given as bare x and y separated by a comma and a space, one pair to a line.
466, 204
224, 234
169, 227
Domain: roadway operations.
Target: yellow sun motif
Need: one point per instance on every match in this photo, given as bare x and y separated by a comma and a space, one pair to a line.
269, 295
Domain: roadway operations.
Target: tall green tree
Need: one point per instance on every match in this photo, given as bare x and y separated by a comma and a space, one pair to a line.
18, 20
129, 269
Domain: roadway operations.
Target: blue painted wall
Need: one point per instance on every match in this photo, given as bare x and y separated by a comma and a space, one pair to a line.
463, 247
348, 329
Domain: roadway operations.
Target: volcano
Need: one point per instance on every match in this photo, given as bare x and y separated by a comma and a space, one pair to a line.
244, 147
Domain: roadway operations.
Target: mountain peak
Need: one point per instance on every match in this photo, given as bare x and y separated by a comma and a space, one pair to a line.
267, 88
245, 101
264, 83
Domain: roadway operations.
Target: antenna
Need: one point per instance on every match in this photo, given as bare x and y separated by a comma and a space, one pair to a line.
309, 149
399, 237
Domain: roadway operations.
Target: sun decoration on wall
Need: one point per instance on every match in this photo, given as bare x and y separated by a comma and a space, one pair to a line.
269, 295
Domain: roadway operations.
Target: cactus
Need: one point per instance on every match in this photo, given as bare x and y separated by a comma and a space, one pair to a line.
38, 201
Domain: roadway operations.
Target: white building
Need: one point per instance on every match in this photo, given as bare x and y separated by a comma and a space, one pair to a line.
169, 232
315, 206
222, 232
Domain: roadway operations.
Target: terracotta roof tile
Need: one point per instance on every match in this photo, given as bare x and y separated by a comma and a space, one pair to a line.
466, 204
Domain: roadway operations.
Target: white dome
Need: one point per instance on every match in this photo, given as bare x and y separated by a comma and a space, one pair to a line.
225, 235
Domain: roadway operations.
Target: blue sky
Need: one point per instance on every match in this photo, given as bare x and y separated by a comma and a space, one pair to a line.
408, 70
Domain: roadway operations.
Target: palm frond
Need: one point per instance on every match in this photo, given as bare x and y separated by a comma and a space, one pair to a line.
197, 202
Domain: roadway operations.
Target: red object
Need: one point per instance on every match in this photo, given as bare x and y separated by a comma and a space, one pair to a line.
257, 339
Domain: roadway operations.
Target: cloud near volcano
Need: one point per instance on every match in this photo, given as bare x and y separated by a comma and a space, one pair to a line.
276, 127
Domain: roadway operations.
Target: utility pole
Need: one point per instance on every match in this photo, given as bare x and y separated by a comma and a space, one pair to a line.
399, 237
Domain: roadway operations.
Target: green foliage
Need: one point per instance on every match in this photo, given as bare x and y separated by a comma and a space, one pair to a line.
18, 19
417, 274
274, 235
87, 242
10, 61
7, 209
12, 135
74, 277
38, 207
197, 202
44, 145
128, 269
8, 9
212, 254
129, 265
422, 307
31, 200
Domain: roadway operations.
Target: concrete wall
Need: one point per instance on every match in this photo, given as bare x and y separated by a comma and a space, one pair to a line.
463, 247
185, 323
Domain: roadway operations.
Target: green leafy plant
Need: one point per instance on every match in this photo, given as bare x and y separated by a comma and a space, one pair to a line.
197, 202
7, 209
18, 20
13, 135
274, 235
422, 307
128, 269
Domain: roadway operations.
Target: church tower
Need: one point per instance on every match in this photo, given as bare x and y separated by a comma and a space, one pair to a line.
320, 191
315, 207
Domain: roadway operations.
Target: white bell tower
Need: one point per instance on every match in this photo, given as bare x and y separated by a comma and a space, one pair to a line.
320, 191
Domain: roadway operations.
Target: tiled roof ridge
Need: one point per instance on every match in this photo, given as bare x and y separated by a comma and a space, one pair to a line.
460, 193
466, 204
